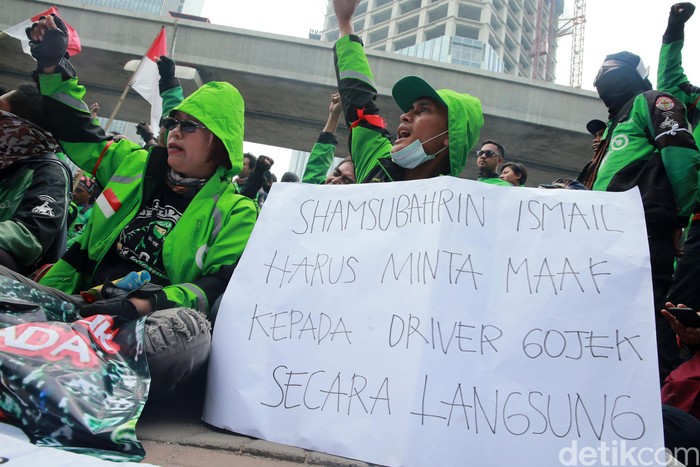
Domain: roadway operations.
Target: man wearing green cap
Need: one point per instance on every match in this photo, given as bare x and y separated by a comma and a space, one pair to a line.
438, 127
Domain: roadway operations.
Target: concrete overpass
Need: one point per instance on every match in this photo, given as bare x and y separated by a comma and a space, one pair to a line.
286, 83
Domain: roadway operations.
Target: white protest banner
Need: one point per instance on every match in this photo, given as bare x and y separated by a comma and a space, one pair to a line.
442, 322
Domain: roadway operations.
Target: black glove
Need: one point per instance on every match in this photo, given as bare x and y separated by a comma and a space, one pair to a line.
262, 165
52, 49
679, 14
116, 306
166, 70
256, 179
143, 129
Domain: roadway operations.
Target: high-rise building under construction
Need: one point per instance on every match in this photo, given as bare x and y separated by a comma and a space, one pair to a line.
516, 37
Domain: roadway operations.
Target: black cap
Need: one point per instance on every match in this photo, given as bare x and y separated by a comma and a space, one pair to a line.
594, 126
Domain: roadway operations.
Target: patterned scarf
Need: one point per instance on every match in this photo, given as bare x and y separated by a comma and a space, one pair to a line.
590, 171
187, 187
21, 139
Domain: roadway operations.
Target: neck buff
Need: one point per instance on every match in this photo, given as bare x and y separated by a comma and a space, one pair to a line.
185, 186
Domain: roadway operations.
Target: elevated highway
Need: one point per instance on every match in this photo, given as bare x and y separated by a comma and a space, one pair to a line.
286, 83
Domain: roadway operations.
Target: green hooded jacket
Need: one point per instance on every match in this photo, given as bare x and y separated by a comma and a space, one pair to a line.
370, 142
201, 251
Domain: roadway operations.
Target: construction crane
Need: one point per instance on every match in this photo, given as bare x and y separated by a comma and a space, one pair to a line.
549, 27
576, 26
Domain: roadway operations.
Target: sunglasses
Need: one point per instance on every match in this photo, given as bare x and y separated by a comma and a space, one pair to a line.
487, 153
186, 126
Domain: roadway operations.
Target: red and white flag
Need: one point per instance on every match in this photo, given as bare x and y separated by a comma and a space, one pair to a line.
108, 203
17, 31
145, 78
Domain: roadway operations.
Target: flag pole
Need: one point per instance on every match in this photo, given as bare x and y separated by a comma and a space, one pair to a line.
123, 96
119, 104
172, 48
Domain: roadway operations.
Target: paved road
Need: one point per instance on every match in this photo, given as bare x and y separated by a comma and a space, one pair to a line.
173, 435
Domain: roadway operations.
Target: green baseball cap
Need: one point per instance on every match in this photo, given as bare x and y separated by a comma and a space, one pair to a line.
464, 115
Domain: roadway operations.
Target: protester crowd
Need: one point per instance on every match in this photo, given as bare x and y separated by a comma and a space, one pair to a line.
183, 204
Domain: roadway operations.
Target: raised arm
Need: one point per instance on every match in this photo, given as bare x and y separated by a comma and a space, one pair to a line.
671, 76
369, 138
321, 157
65, 113
168, 85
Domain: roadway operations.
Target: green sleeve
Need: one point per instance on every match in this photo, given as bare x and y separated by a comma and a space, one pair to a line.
320, 159
171, 98
369, 142
85, 143
671, 75
17, 240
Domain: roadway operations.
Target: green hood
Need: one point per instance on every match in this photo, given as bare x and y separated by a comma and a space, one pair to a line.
464, 115
219, 106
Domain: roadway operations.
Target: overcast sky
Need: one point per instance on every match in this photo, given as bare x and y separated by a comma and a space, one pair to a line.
611, 26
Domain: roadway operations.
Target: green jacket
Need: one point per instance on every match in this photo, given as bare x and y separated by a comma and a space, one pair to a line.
652, 148
370, 144
492, 180
34, 197
320, 159
201, 251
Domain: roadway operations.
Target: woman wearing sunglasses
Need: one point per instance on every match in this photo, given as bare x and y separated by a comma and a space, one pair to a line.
171, 211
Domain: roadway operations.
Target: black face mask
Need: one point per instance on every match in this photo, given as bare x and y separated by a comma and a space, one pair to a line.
617, 86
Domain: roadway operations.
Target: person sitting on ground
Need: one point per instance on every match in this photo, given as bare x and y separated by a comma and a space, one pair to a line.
171, 93
489, 157
170, 211
323, 152
437, 129
35, 188
514, 173
84, 195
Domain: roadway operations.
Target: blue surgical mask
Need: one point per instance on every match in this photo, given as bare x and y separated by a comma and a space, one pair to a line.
414, 155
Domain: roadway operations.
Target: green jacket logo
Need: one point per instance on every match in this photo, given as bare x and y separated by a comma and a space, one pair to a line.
619, 142
44, 209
